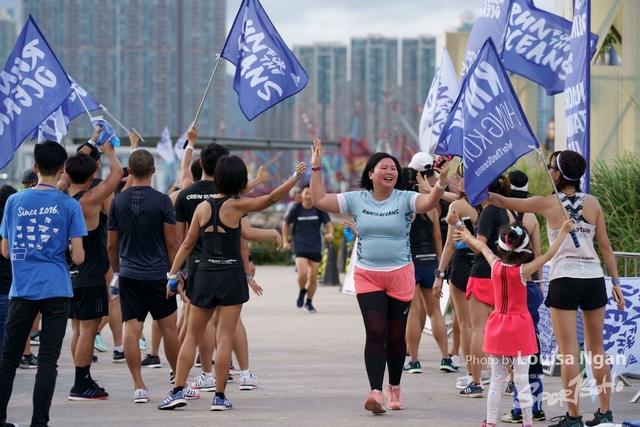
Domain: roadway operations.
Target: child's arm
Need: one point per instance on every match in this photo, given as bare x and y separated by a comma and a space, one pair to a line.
478, 246
530, 267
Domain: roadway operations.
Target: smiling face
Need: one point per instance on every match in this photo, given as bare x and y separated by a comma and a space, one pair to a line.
384, 175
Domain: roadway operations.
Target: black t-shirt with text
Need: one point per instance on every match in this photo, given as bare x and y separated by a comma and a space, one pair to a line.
139, 214
489, 222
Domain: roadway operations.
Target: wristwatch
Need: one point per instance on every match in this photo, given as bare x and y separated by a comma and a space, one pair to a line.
438, 273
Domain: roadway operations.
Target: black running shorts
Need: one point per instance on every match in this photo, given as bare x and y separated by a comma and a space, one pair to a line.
223, 287
89, 303
141, 297
567, 293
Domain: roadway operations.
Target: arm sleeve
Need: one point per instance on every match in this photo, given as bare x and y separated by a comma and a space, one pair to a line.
412, 201
77, 226
169, 215
325, 218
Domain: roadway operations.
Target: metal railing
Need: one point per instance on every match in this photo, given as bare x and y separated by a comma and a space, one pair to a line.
626, 257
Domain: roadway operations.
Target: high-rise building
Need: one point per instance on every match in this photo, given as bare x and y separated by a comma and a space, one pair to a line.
7, 33
418, 69
147, 62
374, 87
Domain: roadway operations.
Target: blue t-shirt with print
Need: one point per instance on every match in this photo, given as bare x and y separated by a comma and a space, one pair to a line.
382, 227
38, 225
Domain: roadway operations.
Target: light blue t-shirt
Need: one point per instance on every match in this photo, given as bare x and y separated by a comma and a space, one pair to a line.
38, 225
383, 227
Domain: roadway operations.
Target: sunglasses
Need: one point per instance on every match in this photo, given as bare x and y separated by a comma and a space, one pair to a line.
549, 167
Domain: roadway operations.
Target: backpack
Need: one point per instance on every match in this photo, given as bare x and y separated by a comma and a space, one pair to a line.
296, 213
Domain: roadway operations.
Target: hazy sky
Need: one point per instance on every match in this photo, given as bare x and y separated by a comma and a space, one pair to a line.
307, 21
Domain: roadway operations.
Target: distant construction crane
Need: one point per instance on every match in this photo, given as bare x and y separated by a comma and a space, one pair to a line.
394, 106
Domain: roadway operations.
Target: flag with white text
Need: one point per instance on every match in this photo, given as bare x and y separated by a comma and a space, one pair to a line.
55, 127
577, 87
444, 90
491, 130
537, 44
267, 72
490, 23
33, 84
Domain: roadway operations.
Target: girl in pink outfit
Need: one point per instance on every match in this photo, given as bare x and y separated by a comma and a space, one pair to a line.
509, 334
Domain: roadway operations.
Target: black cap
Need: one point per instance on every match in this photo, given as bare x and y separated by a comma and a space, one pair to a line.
29, 176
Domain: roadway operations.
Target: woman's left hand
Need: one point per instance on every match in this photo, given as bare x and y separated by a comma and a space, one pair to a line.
444, 169
437, 287
423, 184
618, 298
254, 287
300, 169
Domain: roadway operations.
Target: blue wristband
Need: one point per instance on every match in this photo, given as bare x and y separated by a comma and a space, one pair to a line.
173, 285
615, 281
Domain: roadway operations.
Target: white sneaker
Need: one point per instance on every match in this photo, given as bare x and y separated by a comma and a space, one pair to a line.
248, 382
455, 360
142, 343
204, 382
141, 396
234, 370
463, 382
190, 393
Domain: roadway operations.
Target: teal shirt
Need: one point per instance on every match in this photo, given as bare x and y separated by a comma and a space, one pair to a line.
382, 227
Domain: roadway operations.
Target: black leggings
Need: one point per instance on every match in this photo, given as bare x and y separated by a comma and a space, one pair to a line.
385, 321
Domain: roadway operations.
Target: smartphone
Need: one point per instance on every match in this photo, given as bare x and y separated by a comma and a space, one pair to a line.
468, 224
443, 160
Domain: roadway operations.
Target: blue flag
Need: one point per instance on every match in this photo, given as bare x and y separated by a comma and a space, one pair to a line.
536, 45
267, 72
490, 129
490, 23
577, 87
32, 85
55, 126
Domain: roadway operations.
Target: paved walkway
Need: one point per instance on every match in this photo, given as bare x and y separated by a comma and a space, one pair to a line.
310, 369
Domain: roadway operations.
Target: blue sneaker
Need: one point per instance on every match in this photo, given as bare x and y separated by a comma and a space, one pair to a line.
219, 404
173, 401
472, 390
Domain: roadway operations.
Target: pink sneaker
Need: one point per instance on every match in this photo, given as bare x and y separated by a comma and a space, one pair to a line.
375, 402
393, 397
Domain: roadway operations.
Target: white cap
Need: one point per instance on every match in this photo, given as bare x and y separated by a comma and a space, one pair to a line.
420, 161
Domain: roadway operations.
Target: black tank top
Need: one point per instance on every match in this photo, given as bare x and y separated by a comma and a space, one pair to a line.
220, 251
423, 249
91, 272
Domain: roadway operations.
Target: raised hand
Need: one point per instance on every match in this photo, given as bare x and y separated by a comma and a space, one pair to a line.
316, 153
262, 175
192, 135
452, 217
423, 184
301, 168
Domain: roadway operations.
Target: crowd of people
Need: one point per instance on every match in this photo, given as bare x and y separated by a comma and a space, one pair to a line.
117, 250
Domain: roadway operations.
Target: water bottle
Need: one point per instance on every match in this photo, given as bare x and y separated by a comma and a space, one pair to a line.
115, 141
114, 286
348, 234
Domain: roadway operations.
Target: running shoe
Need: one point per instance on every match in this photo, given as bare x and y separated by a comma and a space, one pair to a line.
118, 356
599, 418
98, 344
539, 416
510, 388
29, 362
92, 392
11, 425
172, 377
309, 307
173, 401
300, 301
219, 404
233, 370
446, 365
141, 395
248, 382
472, 390
512, 417
142, 344
463, 381
394, 400
564, 421
204, 382
455, 359
375, 402
34, 338
190, 393
150, 361
198, 364
413, 367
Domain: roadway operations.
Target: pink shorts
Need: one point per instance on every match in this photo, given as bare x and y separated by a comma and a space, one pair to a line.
399, 284
482, 289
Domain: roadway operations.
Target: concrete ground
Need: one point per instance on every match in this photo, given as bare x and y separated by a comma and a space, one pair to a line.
311, 373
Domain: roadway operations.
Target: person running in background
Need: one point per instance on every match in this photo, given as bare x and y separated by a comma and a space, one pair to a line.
37, 226
142, 243
305, 223
222, 279
576, 280
384, 273
509, 336
90, 302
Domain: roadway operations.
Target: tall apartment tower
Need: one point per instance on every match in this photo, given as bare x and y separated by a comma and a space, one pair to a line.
418, 69
147, 62
8, 33
374, 85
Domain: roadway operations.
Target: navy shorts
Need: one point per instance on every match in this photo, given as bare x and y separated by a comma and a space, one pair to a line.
425, 277
315, 257
141, 297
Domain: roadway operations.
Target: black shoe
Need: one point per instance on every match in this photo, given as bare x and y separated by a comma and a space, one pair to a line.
29, 362
513, 418
118, 356
34, 338
539, 416
599, 418
11, 425
309, 307
150, 361
94, 359
564, 421
300, 301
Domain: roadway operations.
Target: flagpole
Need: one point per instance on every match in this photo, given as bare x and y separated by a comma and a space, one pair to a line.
204, 96
120, 124
555, 191
83, 104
